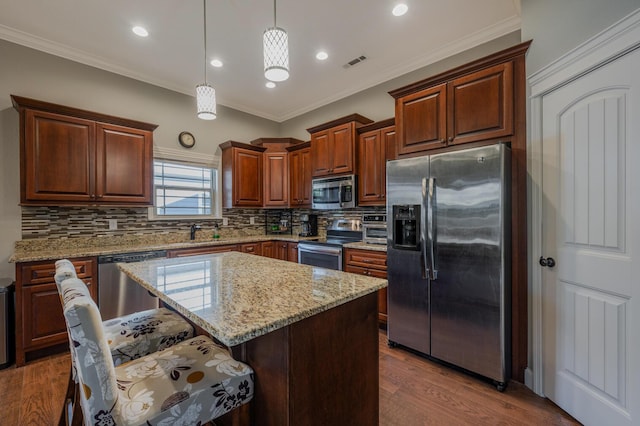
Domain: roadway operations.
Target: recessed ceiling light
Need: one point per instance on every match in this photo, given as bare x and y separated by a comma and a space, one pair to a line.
270, 84
140, 31
400, 9
216, 63
322, 55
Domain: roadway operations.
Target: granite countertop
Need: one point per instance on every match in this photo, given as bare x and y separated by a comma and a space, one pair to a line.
367, 246
237, 296
34, 250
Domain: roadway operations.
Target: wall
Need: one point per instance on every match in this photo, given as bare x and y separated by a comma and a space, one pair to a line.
30, 73
557, 26
9, 189
34, 74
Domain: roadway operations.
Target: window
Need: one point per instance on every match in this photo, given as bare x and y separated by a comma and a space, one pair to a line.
183, 190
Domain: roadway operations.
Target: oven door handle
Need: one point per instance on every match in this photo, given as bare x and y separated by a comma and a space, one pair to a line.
319, 249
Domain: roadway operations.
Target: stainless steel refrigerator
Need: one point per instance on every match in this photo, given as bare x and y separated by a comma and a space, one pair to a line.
448, 258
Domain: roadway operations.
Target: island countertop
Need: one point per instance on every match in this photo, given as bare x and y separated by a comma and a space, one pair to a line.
237, 296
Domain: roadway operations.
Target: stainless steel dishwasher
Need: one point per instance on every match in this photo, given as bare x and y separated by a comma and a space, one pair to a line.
117, 293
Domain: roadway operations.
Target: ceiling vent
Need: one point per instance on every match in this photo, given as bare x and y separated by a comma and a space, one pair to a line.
354, 61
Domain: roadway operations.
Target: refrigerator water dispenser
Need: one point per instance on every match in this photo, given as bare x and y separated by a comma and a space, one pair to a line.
406, 227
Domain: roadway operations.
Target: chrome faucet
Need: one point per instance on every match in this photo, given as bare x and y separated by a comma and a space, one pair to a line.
194, 228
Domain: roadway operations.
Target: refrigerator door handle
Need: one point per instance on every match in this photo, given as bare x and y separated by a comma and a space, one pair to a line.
431, 229
423, 231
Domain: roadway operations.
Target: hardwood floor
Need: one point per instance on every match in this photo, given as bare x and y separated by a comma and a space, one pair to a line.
413, 391
33, 394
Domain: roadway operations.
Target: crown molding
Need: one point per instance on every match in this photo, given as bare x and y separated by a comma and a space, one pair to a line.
609, 44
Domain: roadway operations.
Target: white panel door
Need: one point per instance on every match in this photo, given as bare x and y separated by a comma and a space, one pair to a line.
591, 228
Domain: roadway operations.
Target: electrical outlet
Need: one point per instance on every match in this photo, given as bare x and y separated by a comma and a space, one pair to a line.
225, 221
252, 220
113, 224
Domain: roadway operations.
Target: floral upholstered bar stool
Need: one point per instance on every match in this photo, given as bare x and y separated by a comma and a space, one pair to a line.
190, 383
140, 333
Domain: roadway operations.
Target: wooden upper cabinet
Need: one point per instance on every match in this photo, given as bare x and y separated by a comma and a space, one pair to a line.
389, 140
322, 158
372, 147
247, 179
481, 105
300, 175
421, 120
124, 159
342, 148
473, 103
333, 145
242, 174
71, 156
58, 160
276, 179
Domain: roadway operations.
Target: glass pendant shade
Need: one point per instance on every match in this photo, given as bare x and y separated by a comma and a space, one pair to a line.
206, 101
276, 54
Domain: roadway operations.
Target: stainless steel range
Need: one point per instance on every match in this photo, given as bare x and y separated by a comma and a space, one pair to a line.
327, 252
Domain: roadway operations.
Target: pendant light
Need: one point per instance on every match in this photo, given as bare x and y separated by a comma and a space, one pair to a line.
276, 52
205, 93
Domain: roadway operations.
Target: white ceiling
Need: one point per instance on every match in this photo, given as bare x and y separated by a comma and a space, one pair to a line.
98, 33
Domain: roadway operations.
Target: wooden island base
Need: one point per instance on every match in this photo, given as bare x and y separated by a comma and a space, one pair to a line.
322, 370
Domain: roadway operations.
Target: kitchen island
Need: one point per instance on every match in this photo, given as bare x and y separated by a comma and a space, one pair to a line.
309, 333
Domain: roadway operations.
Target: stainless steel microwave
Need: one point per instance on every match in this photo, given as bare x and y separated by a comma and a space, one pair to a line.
334, 192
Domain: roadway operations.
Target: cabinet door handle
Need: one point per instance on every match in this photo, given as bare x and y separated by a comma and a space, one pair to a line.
450, 139
93, 195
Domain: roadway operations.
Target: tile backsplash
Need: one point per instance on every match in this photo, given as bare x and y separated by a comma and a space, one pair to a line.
77, 222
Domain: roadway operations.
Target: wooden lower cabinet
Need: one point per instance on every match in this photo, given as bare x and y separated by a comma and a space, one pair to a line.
371, 263
251, 248
40, 323
282, 250
292, 390
201, 250
293, 252
268, 249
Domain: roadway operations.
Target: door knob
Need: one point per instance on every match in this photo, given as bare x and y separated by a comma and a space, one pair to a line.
549, 261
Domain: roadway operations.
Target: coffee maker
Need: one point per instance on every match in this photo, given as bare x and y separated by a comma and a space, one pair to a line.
308, 225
